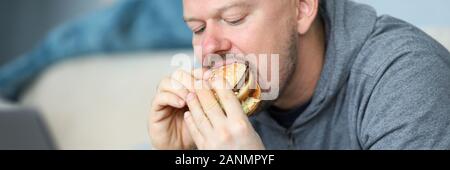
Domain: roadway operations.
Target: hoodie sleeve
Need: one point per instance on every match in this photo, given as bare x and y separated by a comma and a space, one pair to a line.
130, 25
410, 104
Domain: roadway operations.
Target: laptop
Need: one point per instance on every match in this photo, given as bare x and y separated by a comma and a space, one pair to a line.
24, 129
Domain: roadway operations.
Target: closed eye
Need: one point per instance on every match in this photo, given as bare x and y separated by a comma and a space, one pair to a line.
234, 22
199, 30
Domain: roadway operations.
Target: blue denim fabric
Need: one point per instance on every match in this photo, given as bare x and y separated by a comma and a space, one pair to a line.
131, 25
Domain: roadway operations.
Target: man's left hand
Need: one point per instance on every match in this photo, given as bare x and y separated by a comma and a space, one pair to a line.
214, 128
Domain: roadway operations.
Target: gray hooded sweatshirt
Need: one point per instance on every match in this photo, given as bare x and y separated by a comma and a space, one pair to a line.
385, 85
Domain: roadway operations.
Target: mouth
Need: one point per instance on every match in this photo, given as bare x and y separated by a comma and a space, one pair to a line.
224, 61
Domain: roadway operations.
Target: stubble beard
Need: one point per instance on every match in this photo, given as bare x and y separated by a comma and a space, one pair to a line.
287, 69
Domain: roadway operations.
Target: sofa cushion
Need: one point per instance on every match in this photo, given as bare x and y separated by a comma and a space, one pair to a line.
100, 102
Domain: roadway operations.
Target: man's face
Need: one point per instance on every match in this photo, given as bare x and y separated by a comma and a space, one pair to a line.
245, 27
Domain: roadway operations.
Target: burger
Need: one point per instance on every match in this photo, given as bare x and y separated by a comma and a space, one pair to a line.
244, 85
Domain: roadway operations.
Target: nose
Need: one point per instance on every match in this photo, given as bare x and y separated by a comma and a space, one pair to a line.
215, 42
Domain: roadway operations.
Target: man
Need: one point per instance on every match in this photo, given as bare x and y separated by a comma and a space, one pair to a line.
349, 80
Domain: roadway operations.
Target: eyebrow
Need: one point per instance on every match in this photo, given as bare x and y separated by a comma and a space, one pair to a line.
240, 4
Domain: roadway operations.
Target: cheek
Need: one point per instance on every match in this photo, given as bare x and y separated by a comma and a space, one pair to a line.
262, 36
255, 39
265, 36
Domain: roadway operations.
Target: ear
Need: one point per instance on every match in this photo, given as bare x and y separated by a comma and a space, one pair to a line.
306, 14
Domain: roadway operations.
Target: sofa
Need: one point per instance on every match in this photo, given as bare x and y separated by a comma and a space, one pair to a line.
100, 102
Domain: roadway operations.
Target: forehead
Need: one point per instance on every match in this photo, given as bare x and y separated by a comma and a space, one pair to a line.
213, 7
210, 7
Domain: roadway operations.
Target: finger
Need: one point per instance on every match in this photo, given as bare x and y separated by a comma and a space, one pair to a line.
200, 119
230, 102
173, 86
210, 106
193, 130
165, 99
185, 78
202, 74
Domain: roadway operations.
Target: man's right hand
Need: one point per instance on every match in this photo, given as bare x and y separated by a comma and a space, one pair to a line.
167, 127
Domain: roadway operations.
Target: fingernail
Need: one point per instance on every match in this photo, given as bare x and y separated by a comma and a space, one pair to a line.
190, 97
212, 82
207, 74
218, 83
187, 114
180, 102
